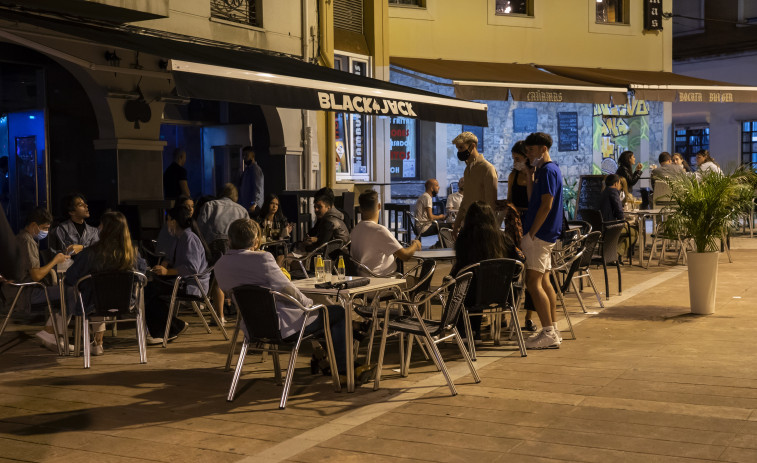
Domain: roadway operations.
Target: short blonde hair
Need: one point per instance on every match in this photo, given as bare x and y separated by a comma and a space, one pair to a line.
465, 137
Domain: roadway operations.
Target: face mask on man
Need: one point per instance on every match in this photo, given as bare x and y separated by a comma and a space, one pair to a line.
463, 155
42, 234
247, 162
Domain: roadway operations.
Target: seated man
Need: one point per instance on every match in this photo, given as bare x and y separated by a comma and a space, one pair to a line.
74, 234
329, 224
373, 245
612, 209
424, 210
243, 264
454, 200
36, 228
666, 169
215, 217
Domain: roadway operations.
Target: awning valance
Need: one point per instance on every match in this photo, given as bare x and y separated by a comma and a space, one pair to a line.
256, 77
525, 82
662, 86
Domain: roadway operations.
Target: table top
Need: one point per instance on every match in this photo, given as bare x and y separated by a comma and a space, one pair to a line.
656, 211
307, 286
438, 253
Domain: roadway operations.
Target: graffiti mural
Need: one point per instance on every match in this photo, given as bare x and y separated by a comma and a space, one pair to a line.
619, 128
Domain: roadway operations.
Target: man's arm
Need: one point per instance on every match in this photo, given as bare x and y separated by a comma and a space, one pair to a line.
433, 216
38, 274
406, 253
490, 188
184, 186
541, 214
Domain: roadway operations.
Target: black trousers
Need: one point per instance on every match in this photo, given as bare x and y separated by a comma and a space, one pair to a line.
157, 297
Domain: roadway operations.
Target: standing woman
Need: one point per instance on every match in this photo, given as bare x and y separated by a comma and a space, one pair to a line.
190, 259
114, 252
705, 163
627, 171
519, 179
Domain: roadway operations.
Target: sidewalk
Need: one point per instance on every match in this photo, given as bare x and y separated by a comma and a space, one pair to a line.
645, 381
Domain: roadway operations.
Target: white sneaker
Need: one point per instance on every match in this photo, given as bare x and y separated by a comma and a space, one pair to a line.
96, 349
559, 336
544, 340
48, 340
150, 341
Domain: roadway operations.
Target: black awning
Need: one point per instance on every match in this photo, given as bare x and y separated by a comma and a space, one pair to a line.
256, 77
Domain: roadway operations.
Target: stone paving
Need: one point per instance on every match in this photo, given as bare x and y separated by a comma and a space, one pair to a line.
645, 381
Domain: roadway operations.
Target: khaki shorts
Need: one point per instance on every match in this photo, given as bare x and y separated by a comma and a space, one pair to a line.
538, 253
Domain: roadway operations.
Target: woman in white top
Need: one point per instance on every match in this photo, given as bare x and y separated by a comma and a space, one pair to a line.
705, 163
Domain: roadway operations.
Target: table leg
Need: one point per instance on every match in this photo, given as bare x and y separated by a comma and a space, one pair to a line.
64, 316
348, 341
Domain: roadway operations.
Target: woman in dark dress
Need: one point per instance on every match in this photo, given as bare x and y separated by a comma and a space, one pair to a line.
274, 226
627, 170
520, 177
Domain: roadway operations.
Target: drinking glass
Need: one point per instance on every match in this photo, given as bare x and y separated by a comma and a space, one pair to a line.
340, 273
327, 270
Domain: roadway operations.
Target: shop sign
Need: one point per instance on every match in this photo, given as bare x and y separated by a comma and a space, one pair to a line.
653, 15
544, 96
403, 156
365, 105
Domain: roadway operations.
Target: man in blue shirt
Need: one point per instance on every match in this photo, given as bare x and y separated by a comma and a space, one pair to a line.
251, 182
541, 229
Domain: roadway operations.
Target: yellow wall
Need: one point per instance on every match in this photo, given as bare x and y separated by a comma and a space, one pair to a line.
561, 33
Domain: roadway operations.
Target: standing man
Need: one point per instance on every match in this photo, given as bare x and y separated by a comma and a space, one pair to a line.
480, 176
251, 182
74, 234
542, 227
175, 177
424, 210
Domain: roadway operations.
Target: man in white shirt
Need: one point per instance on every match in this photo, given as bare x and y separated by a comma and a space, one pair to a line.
454, 200
373, 245
424, 210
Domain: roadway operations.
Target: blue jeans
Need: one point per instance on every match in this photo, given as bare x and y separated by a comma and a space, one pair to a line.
336, 322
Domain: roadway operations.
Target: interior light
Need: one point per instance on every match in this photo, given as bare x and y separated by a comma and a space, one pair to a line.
31, 117
508, 9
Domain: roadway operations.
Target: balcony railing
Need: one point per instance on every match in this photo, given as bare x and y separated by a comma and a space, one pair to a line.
238, 11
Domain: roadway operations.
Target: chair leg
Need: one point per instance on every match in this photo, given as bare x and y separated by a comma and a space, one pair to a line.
213, 314
410, 339
515, 322
382, 346
173, 305
10, 311
594, 287
233, 344
330, 352
620, 279
465, 355
197, 310
141, 340
237, 371
607, 282
374, 321
290, 373
578, 295
77, 336
469, 333
85, 340
276, 363
440, 361
564, 307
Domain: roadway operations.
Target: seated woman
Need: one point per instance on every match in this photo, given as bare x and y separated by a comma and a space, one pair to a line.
705, 163
113, 252
612, 209
479, 239
274, 226
189, 260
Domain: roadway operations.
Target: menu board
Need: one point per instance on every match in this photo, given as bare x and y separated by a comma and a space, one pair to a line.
403, 156
567, 131
525, 120
589, 192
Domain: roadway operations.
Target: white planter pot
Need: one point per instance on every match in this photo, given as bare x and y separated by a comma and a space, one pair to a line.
703, 280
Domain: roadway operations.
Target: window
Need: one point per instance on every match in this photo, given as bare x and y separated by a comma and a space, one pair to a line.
748, 11
689, 9
612, 12
403, 157
514, 7
690, 140
238, 11
410, 3
749, 142
353, 131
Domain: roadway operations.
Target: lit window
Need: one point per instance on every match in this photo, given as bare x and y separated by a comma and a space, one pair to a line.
410, 3
353, 131
516, 7
403, 157
749, 143
691, 140
612, 12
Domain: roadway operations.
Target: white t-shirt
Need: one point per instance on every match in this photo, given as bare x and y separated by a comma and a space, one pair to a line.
373, 245
453, 205
421, 215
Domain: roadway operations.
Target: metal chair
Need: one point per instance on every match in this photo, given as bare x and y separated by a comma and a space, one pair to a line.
590, 242
305, 261
257, 308
178, 297
116, 295
593, 217
415, 226
446, 237
28, 286
608, 253
431, 332
494, 290
399, 221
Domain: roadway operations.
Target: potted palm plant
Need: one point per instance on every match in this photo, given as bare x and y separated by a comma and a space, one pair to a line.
703, 207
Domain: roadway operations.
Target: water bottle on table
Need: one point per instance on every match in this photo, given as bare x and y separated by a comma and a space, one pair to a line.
340, 269
320, 273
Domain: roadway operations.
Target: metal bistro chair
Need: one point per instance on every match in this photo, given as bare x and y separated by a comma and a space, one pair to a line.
178, 297
113, 295
416, 228
28, 287
399, 221
494, 292
446, 237
608, 252
590, 243
431, 332
304, 262
257, 307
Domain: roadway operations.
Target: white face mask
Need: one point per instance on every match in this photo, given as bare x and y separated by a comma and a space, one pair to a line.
519, 165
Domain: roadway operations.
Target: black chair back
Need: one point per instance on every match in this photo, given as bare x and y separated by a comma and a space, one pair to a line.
422, 282
590, 245
593, 217
453, 307
494, 278
257, 306
610, 236
111, 293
